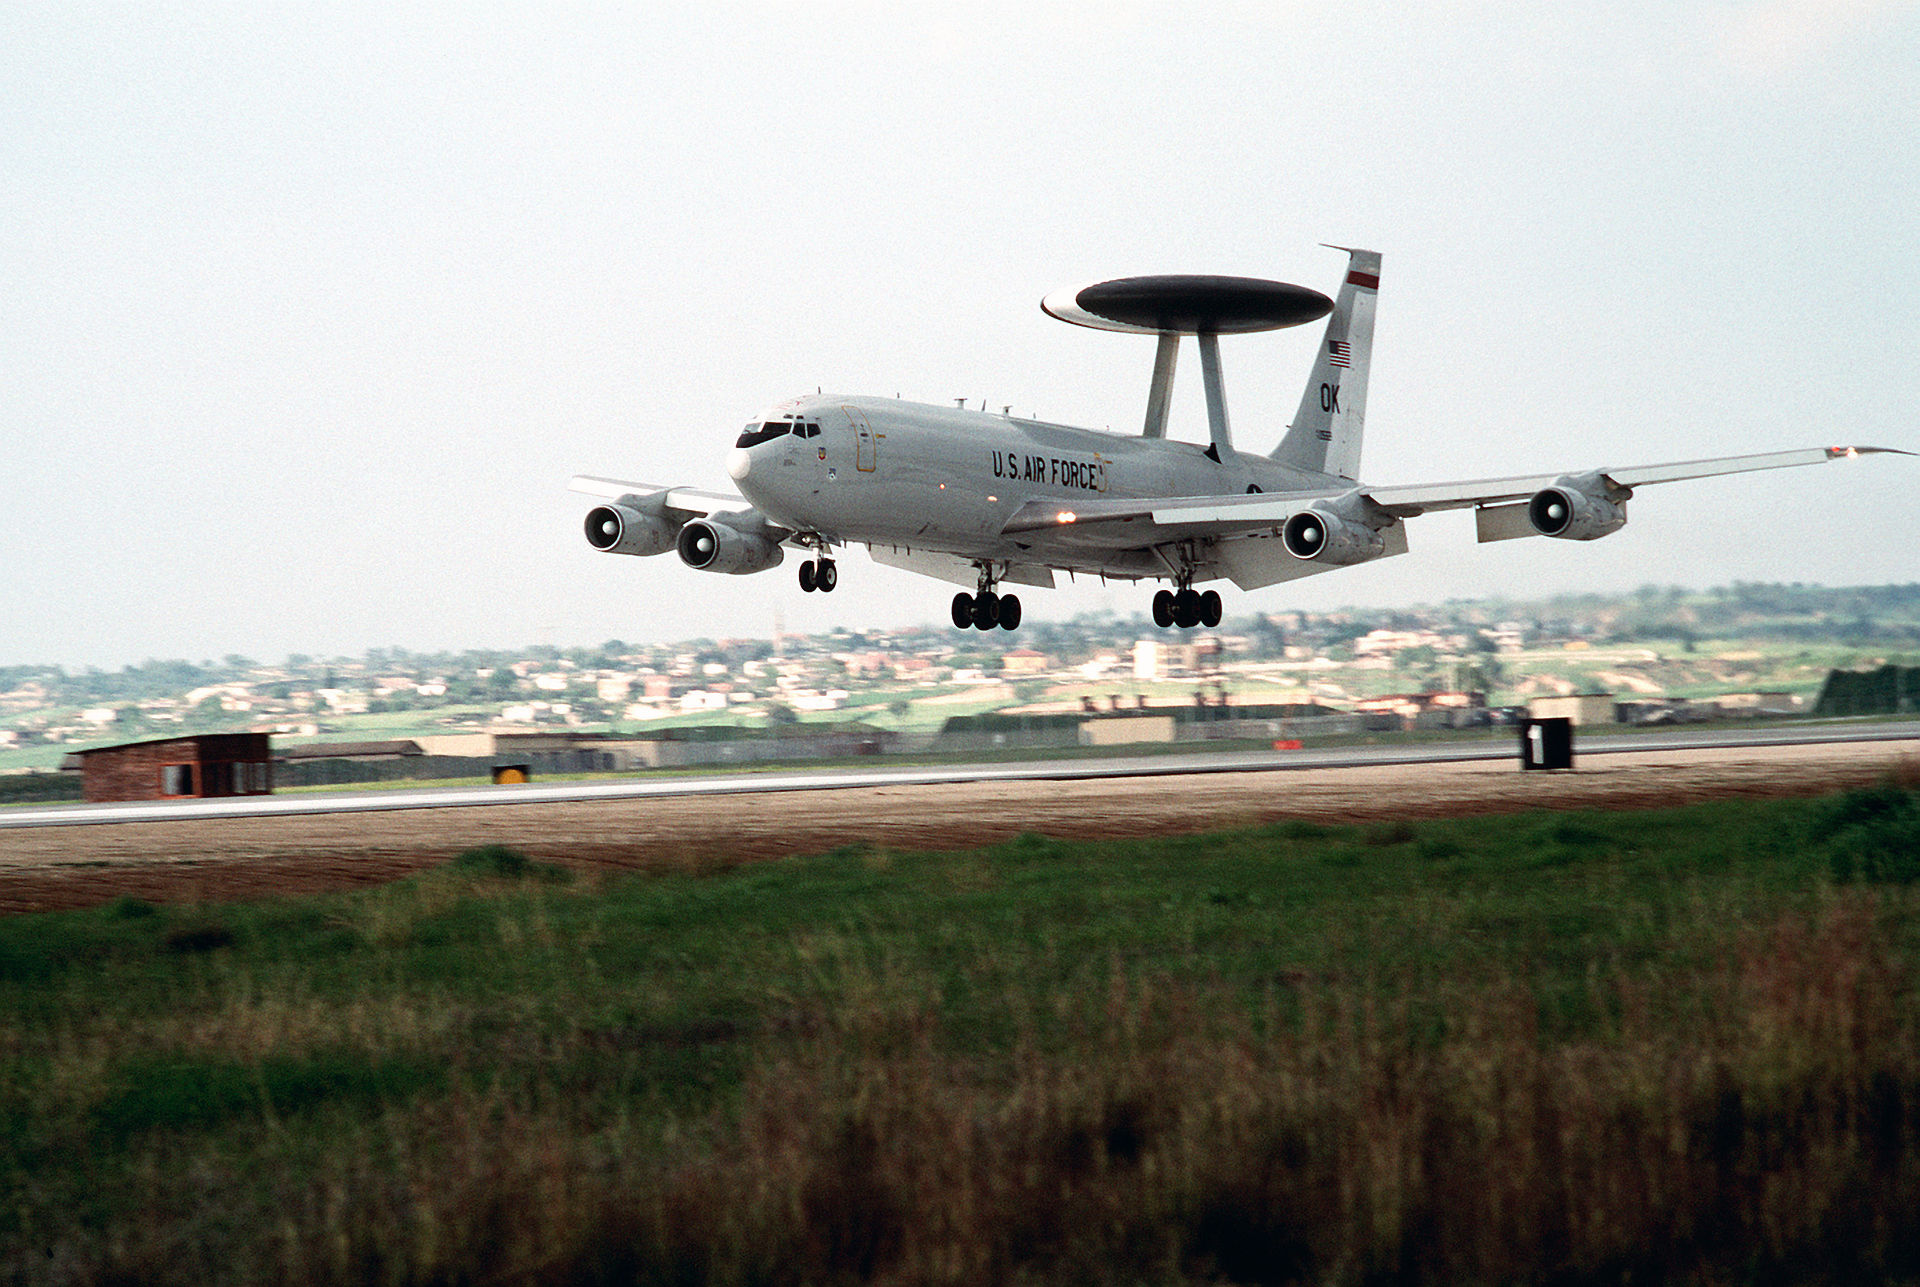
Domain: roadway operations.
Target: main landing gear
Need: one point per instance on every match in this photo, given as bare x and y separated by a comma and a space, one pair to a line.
1185, 608
822, 576
983, 609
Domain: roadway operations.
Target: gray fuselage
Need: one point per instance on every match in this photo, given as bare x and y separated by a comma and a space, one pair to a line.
880, 471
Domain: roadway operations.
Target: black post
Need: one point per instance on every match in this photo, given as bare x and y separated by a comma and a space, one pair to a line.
1546, 744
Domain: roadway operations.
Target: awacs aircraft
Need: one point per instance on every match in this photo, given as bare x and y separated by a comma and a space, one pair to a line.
981, 499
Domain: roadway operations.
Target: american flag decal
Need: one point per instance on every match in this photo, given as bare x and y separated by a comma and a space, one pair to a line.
1340, 353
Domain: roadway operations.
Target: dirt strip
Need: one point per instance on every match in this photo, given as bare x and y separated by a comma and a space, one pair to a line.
81, 866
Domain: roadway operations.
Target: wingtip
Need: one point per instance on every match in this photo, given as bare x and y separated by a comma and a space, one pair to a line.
1837, 453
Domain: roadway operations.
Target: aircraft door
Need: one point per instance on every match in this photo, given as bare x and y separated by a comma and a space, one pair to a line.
864, 457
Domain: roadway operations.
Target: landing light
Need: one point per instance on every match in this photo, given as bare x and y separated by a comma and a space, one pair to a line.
1065, 516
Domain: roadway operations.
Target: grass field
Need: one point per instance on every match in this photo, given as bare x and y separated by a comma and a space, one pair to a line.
1667, 1046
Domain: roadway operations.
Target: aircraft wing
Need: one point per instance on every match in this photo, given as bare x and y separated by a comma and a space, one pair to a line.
1406, 502
1165, 518
1151, 520
1244, 525
690, 500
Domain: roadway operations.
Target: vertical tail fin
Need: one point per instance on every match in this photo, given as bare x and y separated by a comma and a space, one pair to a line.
1325, 435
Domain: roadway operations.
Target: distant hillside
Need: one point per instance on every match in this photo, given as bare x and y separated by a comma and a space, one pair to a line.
1877, 615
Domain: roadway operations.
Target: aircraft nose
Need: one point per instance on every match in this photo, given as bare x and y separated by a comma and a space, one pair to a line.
739, 462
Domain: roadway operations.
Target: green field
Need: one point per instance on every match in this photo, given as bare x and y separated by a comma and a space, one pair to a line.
1679, 1045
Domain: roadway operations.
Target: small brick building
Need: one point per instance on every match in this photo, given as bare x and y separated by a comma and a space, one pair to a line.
204, 766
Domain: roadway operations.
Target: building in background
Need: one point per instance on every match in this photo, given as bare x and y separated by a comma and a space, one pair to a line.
395, 749
1581, 708
205, 766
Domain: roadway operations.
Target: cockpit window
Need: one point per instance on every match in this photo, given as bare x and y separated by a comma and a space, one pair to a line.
760, 433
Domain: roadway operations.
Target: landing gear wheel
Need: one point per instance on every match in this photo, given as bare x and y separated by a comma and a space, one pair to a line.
827, 576
963, 611
806, 576
1210, 609
1186, 609
1009, 612
986, 610
1163, 608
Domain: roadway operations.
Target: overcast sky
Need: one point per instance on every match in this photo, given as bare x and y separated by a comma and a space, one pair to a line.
308, 311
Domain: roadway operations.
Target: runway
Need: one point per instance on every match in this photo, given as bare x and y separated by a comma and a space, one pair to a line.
704, 825
1189, 763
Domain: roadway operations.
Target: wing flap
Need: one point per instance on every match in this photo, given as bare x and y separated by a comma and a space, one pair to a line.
952, 568
1254, 562
1502, 522
1050, 515
1155, 520
1241, 513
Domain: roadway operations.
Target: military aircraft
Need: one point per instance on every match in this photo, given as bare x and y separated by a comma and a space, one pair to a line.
984, 499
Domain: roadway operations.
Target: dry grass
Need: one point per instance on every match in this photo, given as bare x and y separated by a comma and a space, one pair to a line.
1776, 1143
1023, 1064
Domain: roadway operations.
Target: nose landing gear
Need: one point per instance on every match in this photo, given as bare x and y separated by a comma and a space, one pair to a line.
983, 609
821, 576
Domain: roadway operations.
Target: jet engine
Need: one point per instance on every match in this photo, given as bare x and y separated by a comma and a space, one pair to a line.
615, 529
712, 545
1327, 538
1578, 509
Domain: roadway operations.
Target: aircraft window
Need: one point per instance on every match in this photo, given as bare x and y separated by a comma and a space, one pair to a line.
760, 433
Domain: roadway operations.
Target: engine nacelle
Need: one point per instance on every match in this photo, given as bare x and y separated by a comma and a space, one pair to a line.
713, 546
1327, 538
1578, 509
615, 529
